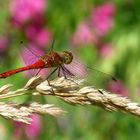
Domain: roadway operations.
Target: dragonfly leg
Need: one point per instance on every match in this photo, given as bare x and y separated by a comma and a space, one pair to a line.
38, 72
64, 72
67, 71
100, 91
59, 72
50, 76
52, 73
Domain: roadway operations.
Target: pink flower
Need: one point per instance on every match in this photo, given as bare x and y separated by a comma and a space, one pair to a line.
4, 41
43, 37
33, 130
83, 35
105, 50
23, 10
102, 18
38, 35
18, 129
117, 87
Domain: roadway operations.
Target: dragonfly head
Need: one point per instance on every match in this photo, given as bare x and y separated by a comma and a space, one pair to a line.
67, 57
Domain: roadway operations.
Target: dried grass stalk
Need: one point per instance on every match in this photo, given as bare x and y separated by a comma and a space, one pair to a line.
71, 90
22, 113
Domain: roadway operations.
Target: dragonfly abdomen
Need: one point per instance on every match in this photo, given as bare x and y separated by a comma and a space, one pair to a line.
36, 65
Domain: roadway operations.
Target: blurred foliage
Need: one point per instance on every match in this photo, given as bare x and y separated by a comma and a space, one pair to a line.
62, 19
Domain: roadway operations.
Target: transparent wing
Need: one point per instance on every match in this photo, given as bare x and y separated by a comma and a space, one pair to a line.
29, 55
93, 76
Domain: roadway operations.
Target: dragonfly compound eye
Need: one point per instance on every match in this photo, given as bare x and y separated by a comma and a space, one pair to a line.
67, 57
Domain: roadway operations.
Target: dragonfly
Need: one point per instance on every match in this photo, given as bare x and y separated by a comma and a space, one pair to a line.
61, 61
49, 60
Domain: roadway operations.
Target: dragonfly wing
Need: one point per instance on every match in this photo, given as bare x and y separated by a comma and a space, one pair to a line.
29, 55
92, 76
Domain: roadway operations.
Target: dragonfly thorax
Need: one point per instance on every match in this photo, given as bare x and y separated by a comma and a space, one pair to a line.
67, 57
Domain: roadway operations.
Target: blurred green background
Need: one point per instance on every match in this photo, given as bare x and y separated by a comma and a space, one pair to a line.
103, 34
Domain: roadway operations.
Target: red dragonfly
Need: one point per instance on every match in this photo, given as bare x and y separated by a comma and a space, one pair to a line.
61, 61
49, 60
